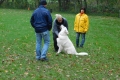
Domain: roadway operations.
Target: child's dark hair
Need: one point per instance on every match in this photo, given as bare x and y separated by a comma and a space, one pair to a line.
83, 9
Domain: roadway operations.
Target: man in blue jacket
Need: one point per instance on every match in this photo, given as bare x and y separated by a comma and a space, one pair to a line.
41, 21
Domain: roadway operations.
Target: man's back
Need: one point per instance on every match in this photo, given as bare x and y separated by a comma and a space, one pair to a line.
41, 19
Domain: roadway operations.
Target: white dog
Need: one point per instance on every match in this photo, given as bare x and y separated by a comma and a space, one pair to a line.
65, 44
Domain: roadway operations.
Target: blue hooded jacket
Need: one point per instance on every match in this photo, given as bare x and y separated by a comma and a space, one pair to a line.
41, 19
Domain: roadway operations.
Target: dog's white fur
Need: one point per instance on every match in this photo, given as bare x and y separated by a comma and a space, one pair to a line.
65, 44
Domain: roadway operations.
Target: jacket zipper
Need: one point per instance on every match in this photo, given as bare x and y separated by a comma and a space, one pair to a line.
79, 23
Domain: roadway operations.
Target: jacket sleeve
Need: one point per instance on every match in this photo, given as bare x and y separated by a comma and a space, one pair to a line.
75, 23
66, 23
49, 21
86, 23
55, 30
32, 21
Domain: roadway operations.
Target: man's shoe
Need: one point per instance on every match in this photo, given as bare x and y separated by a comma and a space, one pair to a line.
44, 59
77, 45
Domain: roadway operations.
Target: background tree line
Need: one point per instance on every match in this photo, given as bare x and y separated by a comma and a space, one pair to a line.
101, 7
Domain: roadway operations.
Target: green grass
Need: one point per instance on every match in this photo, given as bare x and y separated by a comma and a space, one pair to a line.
17, 50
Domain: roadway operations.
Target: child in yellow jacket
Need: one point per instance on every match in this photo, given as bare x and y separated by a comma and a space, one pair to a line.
81, 25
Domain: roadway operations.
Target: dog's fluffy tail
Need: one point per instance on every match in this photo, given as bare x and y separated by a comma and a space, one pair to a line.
82, 53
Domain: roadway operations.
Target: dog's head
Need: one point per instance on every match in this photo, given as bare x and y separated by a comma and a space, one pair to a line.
62, 26
64, 29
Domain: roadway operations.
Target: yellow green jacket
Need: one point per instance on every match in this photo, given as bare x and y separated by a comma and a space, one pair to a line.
81, 23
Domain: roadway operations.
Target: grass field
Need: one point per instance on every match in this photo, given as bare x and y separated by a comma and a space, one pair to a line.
17, 50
